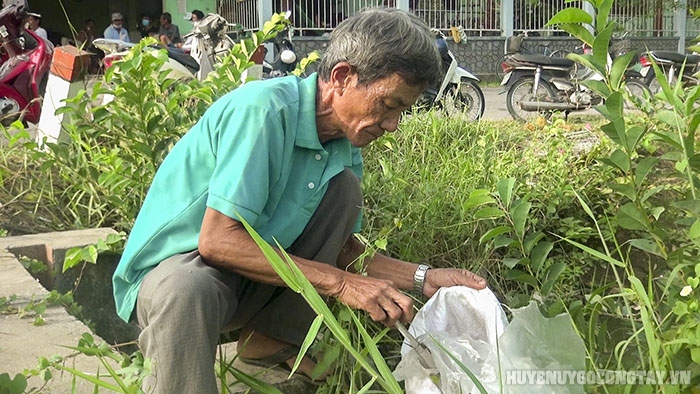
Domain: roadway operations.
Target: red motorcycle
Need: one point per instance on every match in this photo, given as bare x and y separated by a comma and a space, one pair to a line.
25, 59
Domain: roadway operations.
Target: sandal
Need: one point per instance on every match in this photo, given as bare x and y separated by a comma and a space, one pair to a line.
279, 361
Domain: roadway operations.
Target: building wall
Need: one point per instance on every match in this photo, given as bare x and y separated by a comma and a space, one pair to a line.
178, 9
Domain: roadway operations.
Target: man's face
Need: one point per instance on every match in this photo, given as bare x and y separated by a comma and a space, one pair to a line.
163, 20
117, 22
33, 22
366, 112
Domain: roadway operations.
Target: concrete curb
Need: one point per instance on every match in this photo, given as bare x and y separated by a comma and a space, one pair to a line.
22, 343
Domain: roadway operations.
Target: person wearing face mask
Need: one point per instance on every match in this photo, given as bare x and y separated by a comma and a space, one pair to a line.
146, 26
117, 31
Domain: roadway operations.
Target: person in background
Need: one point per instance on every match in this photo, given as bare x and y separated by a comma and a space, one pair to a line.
34, 23
147, 27
169, 34
191, 41
86, 36
283, 154
84, 40
117, 31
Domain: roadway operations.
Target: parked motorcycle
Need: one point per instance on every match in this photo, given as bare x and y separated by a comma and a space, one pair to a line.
180, 64
459, 91
539, 85
25, 60
203, 46
285, 58
210, 42
671, 63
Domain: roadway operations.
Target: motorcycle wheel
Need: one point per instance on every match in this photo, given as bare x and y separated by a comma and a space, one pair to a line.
638, 93
499, 70
652, 83
521, 90
468, 100
11, 105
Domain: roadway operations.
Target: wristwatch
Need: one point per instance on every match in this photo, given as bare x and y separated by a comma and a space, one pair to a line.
419, 277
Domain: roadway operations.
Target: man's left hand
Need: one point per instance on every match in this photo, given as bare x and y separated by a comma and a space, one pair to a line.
436, 278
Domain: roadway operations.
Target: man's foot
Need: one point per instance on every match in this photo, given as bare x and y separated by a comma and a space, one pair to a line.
258, 349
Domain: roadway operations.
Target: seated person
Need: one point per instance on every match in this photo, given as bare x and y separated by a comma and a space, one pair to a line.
169, 34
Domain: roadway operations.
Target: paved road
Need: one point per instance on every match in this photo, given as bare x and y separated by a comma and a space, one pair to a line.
495, 104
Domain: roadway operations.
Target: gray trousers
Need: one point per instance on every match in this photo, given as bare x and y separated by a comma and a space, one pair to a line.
183, 304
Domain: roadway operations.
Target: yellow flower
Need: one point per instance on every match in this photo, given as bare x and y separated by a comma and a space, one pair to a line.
685, 291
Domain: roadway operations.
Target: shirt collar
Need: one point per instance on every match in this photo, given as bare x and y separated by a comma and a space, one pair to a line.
307, 134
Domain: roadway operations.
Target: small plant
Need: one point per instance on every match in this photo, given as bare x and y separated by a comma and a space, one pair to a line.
15, 385
125, 373
525, 251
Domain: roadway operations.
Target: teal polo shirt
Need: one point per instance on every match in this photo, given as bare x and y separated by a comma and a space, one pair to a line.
256, 153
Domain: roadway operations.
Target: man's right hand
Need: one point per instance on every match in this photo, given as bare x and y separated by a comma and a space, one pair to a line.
378, 297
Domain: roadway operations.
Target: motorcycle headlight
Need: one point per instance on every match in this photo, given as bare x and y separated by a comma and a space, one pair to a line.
287, 56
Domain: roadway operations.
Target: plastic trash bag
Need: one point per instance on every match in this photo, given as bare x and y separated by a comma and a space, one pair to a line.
472, 327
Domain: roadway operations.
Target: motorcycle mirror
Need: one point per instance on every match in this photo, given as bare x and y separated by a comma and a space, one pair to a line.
288, 56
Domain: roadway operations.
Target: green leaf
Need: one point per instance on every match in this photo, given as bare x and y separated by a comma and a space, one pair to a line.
694, 232
656, 212
571, 15
252, 382
578, 31
89, 254
630, 218
625, 190
601, 44
519, 213
539, 255
502, 241
17, 385
694, 162
493, 233
478, 197
590, 63
695, 355
504, 187
621, 160
647, 245
73, 258
553, 273
488, 213
595, 253
522, 277
308, 341
644, 167
634, 135
618, 69
510, 262
692, 206
602, 13
532, 240
671, 118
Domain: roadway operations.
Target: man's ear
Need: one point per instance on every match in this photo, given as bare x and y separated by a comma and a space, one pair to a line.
343, 76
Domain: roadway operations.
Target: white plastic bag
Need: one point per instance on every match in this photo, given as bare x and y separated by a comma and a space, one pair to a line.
472, 327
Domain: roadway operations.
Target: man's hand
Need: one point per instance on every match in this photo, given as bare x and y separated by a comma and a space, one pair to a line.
378, 297
436, 278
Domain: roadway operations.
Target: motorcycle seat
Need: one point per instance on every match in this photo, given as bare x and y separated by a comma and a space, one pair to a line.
184, 59
543, 60
676, 57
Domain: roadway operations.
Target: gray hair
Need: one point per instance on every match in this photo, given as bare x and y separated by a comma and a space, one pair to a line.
379, 42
